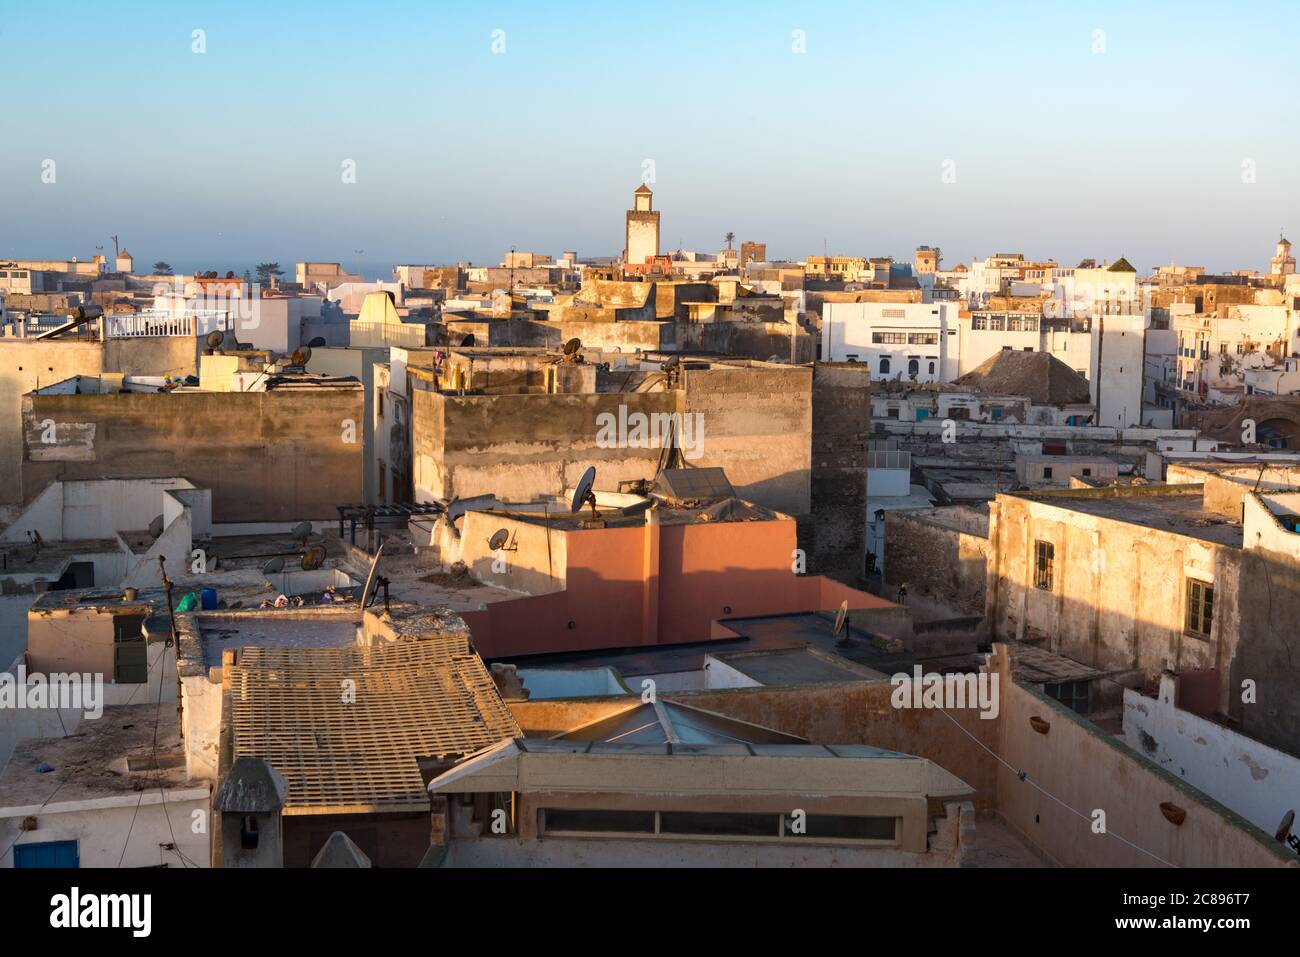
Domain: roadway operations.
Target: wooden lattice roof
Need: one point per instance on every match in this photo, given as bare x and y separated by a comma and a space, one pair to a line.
410, 700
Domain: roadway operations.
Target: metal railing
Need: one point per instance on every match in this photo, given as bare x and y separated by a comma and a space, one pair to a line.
891, 459
161, 323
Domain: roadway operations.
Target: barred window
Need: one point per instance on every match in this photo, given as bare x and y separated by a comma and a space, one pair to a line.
1044, 556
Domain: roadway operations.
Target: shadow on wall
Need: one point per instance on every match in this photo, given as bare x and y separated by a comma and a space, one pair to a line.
598, 612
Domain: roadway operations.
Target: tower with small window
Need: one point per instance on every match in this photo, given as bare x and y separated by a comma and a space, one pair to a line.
249, 803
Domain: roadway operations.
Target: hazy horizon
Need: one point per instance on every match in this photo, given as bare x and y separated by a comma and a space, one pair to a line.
978, 129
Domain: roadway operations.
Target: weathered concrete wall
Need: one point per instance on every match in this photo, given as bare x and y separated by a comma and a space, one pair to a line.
524, 447
1258, 782
1267, 652
153, 356
752, 340
758, 426
151, 820
1088, 769
1225, 489
941, 555
1117, 600
267, 456
835, 541
26, 364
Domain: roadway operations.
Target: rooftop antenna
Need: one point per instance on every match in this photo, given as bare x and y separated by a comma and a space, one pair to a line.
584, 495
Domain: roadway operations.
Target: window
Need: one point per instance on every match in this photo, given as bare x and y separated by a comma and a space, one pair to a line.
884, 365
958, 412
383, 479
931, 368
1087, 472
1073, 694
130, 657
889, 338
923, 338
1044, 554
892, 413
248, 833
1200, 608
844, 828
379, 400
1047, 471
686, 825
598, 822
730, 825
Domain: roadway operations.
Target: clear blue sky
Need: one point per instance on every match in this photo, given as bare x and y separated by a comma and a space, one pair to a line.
233, 156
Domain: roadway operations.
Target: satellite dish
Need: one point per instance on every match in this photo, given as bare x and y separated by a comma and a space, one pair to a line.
841, 618
301, 356
1284, 829
317, 343
468, 340
273, 566
498, 540
371, 578
572, 346
215, 338
313, 558
583, 494
156, 527
301, 532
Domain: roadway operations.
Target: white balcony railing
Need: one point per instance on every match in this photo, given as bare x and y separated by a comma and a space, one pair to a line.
159, 323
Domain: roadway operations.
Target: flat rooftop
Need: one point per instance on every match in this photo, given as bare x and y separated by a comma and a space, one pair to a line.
797, 666
107, 757
21, 558
1177, 509
723, 510
780, 635
277, 628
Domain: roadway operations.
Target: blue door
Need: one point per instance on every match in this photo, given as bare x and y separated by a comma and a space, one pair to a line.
48, 854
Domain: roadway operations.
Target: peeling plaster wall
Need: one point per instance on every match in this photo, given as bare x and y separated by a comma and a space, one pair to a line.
758, 426
1256, 781
1117, 600
521, 448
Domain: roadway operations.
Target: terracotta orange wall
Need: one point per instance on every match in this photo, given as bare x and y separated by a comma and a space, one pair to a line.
705, 572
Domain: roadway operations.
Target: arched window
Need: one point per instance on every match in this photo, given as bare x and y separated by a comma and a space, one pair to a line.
913, 367
884, 365
931, 368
